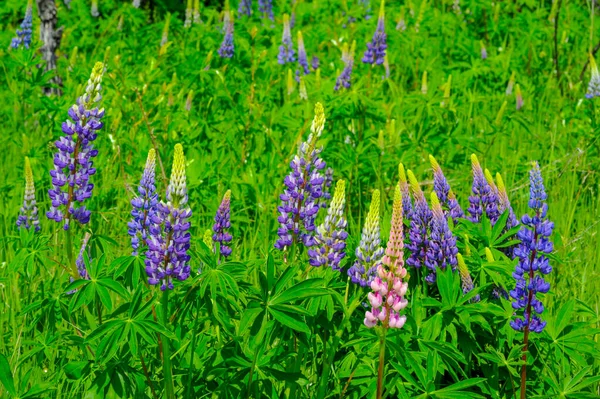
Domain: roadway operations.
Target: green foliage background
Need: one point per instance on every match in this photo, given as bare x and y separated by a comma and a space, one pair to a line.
250, 334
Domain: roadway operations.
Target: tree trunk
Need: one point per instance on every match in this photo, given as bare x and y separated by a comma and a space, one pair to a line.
51, 37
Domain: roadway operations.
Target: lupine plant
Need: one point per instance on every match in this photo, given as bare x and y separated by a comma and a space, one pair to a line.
375, 52
23, 37
28, 215
286, 49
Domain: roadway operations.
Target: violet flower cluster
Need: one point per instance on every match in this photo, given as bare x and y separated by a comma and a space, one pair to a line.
227, 46
144, 205
483, 198
302, 59
330, 239
594, 84
265, 7
168, 240
405, 189
369, 252
533, 263
245, 7
345, 77
375, 52
420, 221
389, 287
303, 190
222, 225
286, 50
441, 249
24, 34
28, 215
73, 164
444, 192
466, 282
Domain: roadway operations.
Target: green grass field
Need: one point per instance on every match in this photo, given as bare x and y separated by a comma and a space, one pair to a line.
264, 323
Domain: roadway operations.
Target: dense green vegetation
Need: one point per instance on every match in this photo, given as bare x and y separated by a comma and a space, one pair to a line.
265, 324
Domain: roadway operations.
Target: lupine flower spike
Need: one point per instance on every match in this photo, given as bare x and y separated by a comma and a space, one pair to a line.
405, 189
466, 282
375, 52
533, 263
444, 192
80, 261
286, 50
169, 238
28, 216
227, 46
504, 203
94, 11
369, 252
420, 221
441, 248
165, 34
196, 13
265, 7
511, 84
302, 59
245, 7
330, 240
389, 287
519, 96
484, 53
483, 198
188, 14
345, 78
594, 85
137, 3
144, 205
221, 227
303, 190
24, 34
447, 89
73, 164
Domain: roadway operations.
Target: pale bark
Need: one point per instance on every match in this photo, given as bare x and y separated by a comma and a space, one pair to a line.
51, 38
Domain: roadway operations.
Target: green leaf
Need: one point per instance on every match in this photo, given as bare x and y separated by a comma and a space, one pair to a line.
76, 370
289, 321
304, 289
114, 286
6, 377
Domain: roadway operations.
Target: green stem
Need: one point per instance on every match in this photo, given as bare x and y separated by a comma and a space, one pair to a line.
193, 349
169, 391
381, 359
69, 248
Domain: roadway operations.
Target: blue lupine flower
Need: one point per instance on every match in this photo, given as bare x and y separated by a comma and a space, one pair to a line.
227, 46
533, 259
302, 59
73, 164
446, 196
265, 7
24, 34
169, 238
245, 7
594, 85
221, 227
28, 215
369, 253
80, 262
314, 62
483, 198
441, 248
330, 239
303, 190
345, 78
286, 51
144, 205
420, 221
375, 52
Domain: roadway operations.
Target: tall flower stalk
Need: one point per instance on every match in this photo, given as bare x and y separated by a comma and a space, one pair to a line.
330, 240
420, 221
369, 252
345, 77
593, 89
444, 192
389, 288
28, 214
221, 227
466, 282
245, 7
302, 58
286, 50
227, 46
23, 37
375, 53
144, 204
483, 198
303, 190
441, 249
533, 265
265, 7
405, 189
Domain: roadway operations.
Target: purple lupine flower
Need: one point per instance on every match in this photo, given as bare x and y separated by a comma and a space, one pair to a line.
24, 34
28, 215
80, 262
221, 227
330, 240
466, 282
484, 53
483, 198
369, 252
420, 221
286, 50
519, 95
144, 204
169, 238
265, 7
405, 189
441, 248
533, 257
375, 52
327, 188
227, 46
245, 7
302, 59
445, 195
594, 84
314, 62
345, 78
303, 190
366, 4
293, 14
73, 164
